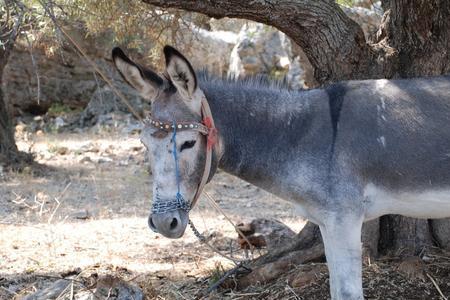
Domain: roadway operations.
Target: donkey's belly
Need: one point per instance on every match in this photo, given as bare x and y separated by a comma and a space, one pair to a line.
427, 204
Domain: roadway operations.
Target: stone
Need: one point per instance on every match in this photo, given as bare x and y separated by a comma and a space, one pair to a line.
104, 101
263, 50
114, 288
227, 24
62, 150
211, 50
59, 122
368, 19
81, 215
85, 159
51, 292
103, 160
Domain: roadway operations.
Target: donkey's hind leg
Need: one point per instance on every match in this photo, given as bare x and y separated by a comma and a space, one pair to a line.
342, 241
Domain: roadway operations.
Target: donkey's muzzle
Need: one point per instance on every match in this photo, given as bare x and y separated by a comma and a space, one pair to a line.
171, 224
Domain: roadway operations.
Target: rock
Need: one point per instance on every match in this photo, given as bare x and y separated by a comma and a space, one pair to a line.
52, 292
103, 160
123, 163
369, 4
65, 78
114, 288
264, 50
227, 24
84, 295
262, 232
368, 19
67, 82
85, 159
104, 101
211, 49
59, 122
62, 150
81, 215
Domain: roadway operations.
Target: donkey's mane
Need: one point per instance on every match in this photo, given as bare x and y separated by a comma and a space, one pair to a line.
260, 81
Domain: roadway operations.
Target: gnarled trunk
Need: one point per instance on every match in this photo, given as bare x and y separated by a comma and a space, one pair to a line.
9, 154
8, 149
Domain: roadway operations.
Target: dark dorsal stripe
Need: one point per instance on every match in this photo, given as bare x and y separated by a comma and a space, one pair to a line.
336, 94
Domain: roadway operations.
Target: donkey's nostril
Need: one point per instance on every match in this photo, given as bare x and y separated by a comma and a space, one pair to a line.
173, 224
151, 225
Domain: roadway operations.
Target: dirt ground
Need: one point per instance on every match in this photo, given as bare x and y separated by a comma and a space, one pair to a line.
91, 209
84, 217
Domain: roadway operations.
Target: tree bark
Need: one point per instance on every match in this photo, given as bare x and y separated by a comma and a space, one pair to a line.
9, 154
418, 36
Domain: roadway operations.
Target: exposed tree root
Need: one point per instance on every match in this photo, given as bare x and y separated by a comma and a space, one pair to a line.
307, 246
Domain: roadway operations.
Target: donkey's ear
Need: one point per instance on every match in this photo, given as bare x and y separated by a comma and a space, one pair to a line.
145, 81
180, 72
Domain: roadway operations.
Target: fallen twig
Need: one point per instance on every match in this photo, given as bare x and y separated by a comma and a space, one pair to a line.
437, 287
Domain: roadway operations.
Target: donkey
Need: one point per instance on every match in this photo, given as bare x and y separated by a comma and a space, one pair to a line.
344, 154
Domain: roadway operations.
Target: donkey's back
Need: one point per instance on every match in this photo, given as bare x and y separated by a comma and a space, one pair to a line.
394, 136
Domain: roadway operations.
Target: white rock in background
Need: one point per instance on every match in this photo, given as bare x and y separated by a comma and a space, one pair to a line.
227, 24
210, 50
264, 50
59, 122
368, 19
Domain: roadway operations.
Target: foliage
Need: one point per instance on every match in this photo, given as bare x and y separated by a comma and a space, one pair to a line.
348, 3
129, 23
57, 109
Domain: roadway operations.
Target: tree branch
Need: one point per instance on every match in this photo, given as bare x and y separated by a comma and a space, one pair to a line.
334, 44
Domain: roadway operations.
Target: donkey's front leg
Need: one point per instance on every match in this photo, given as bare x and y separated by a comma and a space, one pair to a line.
342, 240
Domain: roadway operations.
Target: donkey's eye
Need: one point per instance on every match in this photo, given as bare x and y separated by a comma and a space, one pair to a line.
187, 145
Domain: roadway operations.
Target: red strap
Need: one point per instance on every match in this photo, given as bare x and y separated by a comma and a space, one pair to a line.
212, 132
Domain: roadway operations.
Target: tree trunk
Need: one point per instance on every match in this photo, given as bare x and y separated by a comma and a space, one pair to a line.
9, 154
8, 149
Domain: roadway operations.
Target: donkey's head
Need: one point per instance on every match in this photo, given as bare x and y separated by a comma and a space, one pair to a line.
174, 137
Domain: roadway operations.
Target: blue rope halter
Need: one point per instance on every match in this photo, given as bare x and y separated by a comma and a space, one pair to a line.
163, 206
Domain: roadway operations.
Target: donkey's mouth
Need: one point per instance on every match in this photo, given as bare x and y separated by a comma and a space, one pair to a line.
170, 224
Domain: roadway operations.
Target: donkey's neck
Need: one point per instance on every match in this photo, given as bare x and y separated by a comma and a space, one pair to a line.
262, 130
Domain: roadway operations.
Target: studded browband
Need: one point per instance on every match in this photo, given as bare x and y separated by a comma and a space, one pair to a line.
169, 126
206, 127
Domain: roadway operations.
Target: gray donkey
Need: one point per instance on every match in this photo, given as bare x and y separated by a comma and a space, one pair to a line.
344, 154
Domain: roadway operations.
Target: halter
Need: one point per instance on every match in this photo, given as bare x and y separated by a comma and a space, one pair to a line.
206, 128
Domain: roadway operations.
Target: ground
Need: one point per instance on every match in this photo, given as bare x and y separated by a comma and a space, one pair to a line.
83, 215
